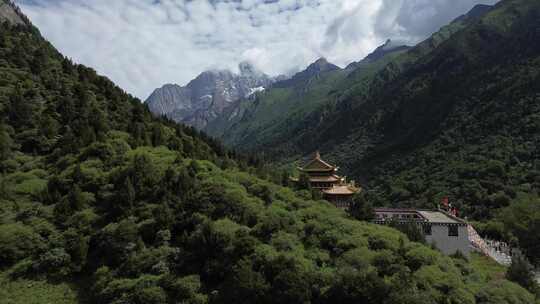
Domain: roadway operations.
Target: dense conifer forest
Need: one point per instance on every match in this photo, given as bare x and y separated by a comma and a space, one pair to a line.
100, 202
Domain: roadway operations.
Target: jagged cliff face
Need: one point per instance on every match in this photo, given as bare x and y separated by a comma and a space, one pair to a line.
204, 98
8, 12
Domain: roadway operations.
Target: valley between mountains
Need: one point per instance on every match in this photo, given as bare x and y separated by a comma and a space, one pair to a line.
454, 116
203, 193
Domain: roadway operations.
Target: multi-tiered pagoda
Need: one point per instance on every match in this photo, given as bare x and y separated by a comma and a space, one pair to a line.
323, 176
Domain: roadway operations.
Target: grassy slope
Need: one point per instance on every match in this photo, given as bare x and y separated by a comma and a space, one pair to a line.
266, 114
487, 267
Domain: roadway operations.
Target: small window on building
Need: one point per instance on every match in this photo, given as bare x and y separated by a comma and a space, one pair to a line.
453, 230
427, 229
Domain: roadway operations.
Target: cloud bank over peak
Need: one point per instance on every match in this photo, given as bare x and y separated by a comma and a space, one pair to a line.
142, 44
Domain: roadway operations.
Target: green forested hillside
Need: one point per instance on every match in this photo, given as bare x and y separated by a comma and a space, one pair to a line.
455, 116
460, 122
248, 122
102, 203
288, 108
283, 109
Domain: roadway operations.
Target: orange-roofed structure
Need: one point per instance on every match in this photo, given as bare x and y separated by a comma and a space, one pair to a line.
323, 176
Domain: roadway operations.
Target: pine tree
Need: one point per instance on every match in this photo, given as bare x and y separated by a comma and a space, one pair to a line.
68, 142
158, 138
5, 143
521, 272
130, 194
21, 110
361, 209
76, 199
285, 178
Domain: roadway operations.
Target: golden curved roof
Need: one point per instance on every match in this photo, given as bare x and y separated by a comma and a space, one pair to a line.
317, 164
341, 190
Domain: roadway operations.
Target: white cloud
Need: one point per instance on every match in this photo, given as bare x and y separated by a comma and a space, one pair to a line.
143, 44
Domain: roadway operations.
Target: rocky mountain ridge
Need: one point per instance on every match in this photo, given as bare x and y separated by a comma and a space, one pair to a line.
205, 97
10, 13
217, 96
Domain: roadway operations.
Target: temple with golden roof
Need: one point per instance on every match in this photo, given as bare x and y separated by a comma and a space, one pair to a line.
323, 176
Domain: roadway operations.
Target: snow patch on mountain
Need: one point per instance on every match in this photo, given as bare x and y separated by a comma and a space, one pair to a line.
207, 96
255, 90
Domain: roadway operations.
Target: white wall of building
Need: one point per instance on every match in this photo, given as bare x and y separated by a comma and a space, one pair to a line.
449, 244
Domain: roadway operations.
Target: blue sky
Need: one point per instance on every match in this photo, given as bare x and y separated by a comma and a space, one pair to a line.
143, 44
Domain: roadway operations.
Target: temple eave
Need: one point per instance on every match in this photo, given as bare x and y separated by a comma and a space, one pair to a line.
317, 170
323, 177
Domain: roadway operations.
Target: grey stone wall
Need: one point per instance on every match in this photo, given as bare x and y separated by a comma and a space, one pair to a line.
449, 244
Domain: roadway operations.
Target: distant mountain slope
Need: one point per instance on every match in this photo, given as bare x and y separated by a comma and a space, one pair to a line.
359, 82
388, 47
279, 111
315, 70
317, 75
203, 99
477, 11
